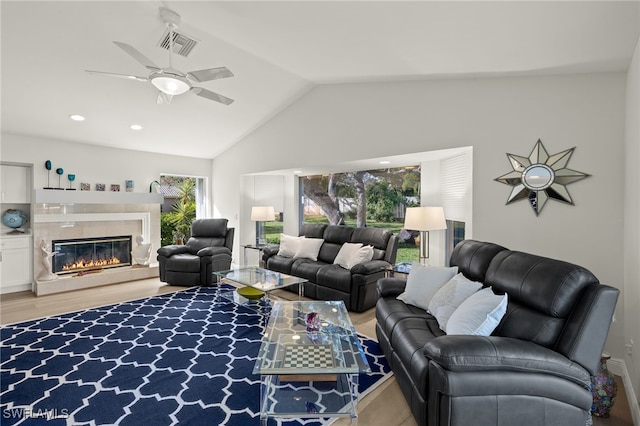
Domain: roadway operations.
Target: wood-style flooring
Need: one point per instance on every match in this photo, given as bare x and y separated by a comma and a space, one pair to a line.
385, 406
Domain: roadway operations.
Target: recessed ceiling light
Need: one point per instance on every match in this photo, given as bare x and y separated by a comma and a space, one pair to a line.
136, 127
385, 162
297, 172
76, 117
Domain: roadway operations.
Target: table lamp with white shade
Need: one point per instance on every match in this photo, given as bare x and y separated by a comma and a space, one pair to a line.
424, 219
262, 214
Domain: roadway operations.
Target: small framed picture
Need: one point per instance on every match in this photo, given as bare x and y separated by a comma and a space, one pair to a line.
129, 185
85, 186
100, 186
115, 187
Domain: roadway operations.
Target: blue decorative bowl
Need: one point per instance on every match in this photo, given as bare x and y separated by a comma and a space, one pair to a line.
14, 218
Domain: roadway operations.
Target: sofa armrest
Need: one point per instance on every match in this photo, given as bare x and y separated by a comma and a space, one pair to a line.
493, 353
267, 252
212, 251
370, 267
168, 251
390, 287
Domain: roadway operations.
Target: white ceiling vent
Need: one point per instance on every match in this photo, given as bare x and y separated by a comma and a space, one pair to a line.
182, 44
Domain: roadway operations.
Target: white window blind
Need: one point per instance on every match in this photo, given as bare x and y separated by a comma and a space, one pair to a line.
455, 181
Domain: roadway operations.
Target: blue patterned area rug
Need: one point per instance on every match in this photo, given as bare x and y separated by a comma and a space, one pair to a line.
177, 358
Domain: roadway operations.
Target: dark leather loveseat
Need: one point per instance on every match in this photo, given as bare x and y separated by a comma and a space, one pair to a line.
357, 286
534, 369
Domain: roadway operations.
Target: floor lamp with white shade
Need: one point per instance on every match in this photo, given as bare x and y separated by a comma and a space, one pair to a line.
424, 219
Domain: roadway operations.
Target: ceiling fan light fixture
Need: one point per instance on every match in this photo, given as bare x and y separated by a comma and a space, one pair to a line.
170, 84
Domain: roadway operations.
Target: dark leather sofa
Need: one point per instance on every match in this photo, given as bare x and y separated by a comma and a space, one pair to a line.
207, 250
356, 287
534, 369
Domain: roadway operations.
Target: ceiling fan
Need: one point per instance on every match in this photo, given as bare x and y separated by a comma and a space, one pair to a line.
170, 81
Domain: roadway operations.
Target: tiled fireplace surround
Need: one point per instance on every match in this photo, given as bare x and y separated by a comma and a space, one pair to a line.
54, 221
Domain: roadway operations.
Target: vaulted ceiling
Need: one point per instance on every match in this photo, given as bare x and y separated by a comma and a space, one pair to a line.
277, 51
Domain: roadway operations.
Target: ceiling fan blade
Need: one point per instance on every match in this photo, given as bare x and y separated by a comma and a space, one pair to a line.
135, 54
210, 74
211, 95
164, 98
112, 74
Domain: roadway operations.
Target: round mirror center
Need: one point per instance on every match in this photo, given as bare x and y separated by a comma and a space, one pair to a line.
538, 177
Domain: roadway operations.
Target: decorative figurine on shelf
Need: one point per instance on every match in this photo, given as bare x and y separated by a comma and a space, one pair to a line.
60, 172
154, 187
141, 253
47, 165
71, 179
47, 254
603, 389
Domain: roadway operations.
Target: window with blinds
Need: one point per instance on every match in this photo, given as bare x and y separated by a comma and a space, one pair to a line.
455, 181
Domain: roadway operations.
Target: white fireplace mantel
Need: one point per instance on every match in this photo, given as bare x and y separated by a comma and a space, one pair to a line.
95, 197
143, 217
66, 214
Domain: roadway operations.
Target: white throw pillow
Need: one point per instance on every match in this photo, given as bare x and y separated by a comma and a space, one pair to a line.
450, 296
288, 245
423, 282
309, 248
347, 251
479, 315
364, 254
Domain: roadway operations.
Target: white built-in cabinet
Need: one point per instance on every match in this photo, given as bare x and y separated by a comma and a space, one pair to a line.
15, 263
15, 184
16, 250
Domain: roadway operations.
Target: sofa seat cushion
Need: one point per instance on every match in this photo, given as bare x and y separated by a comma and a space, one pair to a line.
335, 277
493, 353
307, 269
390, 310
408, 340
183, 262
280, 263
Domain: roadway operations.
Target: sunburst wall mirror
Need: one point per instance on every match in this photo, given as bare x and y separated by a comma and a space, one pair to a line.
540, 177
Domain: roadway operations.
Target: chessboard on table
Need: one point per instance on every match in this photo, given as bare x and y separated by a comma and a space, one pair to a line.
308, 356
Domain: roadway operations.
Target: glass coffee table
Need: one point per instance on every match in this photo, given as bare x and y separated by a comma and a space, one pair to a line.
261, 280
309, 362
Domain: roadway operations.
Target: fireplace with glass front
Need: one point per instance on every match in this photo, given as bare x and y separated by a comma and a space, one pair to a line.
82, 255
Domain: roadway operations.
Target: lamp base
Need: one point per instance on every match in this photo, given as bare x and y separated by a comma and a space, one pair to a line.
424, 261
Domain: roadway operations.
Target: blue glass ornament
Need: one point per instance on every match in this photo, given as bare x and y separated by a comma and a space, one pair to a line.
60, 172
47, 165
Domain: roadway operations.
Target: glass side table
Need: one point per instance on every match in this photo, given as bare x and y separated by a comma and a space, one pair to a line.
259, 247
401, 270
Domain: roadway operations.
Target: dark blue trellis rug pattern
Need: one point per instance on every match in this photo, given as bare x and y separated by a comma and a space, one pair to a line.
178, 358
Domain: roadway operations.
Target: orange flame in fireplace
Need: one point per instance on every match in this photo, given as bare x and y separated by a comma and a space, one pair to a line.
93, 263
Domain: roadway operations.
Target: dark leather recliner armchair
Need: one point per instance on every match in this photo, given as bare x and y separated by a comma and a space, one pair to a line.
208, 250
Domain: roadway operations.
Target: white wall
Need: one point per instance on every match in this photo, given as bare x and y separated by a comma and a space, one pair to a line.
94, 164
338, 123
631, 291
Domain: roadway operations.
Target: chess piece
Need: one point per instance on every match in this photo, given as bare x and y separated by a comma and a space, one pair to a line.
141, 253
47, 254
